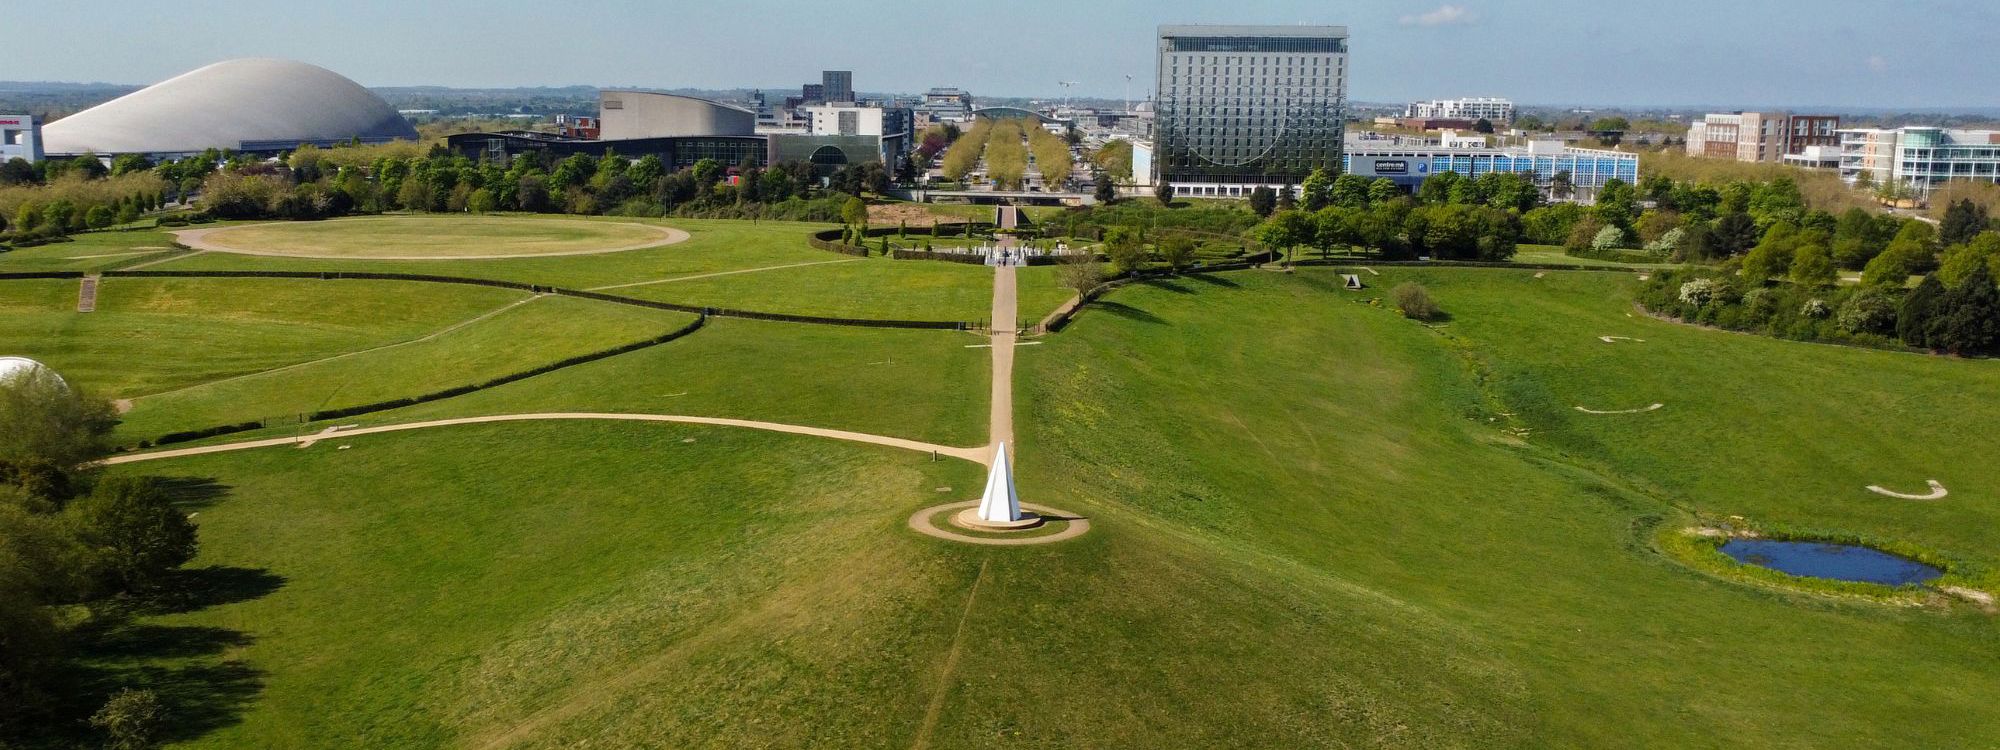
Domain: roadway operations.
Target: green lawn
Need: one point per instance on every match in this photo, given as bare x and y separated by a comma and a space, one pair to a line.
444, 588
434, 236
513, 339
874, 287
1314, 523
713, 245
150, 335
89, 251
923, 385
1552, 255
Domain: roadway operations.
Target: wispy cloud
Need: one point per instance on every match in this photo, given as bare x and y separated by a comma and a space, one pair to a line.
1877, 64
1445, 15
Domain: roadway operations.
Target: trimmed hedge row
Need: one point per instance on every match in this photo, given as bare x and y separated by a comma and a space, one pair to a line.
901, 254
11, 275
351, 411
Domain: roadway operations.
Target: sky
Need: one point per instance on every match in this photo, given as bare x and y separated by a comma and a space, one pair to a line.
1742, 53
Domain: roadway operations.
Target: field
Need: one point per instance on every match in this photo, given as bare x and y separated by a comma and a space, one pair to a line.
419, 237
1314, 523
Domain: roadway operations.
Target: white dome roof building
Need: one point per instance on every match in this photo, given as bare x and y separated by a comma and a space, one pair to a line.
13, 368
252, 104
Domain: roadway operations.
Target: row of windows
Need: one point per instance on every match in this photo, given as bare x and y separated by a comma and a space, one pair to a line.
1309, 45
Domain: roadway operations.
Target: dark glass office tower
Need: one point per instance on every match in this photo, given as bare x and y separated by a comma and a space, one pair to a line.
1241, 106
838, 84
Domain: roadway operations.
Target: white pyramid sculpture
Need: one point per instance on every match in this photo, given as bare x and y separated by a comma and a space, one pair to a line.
1000, 504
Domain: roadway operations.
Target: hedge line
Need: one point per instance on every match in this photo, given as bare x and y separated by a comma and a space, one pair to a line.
11, 275
350, 411
1469, 264
722, 312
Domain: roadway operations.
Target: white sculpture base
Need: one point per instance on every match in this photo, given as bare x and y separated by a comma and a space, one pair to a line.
969, 518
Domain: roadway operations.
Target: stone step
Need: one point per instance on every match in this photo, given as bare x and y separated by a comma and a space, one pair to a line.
86, 294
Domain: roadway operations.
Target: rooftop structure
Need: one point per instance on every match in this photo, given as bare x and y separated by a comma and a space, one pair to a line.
254, 104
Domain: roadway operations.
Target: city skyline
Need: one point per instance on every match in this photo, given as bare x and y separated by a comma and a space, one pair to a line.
1846, 54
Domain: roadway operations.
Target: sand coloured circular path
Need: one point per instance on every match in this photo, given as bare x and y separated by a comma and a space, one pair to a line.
921, 523
269, 238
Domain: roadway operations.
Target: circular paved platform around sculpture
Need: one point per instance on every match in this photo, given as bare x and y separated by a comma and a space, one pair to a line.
969, 519
921, 523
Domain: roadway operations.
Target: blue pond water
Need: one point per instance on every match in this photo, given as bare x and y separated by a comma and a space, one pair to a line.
1837, 561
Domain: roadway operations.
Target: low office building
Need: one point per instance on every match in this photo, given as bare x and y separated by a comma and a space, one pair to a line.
20, 138
1408, 166
1491, 109
1918, 160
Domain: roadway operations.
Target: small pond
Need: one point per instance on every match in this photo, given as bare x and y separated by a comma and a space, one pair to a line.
1841, 562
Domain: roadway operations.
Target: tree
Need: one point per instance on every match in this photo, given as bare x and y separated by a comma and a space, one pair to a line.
1919, 308
17, 171
1610, 125
1350, 190
1482, 125
1383, 190
1286, 230
133, 533
1904, 258
1316, 190
854, 212
1263, 200
1080, 273
1106, 192
1165, 193
1958, 262
1968, 317
43, 419
1812, 267
1127, 252
1562, 186
1962, 221
1735, 233
1177, 251
1773, 255
131, 720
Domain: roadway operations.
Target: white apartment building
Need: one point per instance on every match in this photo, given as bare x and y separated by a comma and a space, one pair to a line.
1919, 159
1492, 109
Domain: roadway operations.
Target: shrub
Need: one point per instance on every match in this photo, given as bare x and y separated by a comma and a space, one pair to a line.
1608, 238
1816, 309
1868, 311
1700, 292
1668, 242
131, 720
1414, 301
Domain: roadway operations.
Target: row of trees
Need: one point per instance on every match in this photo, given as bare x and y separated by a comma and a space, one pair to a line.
310, 185
1052, 156
1006, 154
1462, 220
71, 543
1961, 317
963, 155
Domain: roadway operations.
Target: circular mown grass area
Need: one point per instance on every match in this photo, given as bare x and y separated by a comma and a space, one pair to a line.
431, 237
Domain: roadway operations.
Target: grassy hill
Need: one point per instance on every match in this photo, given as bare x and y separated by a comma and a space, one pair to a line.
1314, 524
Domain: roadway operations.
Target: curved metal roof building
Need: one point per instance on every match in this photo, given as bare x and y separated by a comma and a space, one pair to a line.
252, 104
